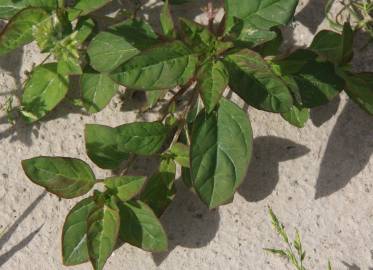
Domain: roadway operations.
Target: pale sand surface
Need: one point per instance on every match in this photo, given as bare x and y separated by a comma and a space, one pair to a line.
318, 179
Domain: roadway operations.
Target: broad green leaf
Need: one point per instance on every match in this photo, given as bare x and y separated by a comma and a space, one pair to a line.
180, 154
125, 187
254, 81
262, 14
137, 32
160, 191
337, 48
360, 89
102, 146
65, 177
140, 227
153, 97
247, 35
272, 47
293, 63
84, 7
212, 80
159, 68
218, 162
9, 8
121, 43
297, 116
47, 32
66, 52
74, 233
318, 84
84, 28
97, 90
167, 22
102, 234
141, 138
46, 4
43, 91
117, 51
198, 37
18, 31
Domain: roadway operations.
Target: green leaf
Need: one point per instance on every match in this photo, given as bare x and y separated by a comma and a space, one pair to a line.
335, 47
262, 14
218, 162
84, 28
247, 35
18, 31
293, 63
65, 177
84, 7
117, 51
66, 52
102, 233
180, 153
102, 146
212, 80
9, 8
43, 91
197, 36
162, 67
360, 89
97, 90
167, 22
278, 252
74, 233
317, 82
141, 138
153, 97
125, 187
186, 177
160, 191
137, 32
121, 43
46, 4
297, 116
254, 81
140, 227
272, 47
47, 32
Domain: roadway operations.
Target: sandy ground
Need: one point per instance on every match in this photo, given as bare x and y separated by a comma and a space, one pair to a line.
318, 179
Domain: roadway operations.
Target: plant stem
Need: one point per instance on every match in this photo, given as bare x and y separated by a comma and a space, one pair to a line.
179, 93
210, 15
183, 117
130, 162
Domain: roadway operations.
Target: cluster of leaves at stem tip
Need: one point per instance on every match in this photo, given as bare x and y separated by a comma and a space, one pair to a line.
294, 251
200, 130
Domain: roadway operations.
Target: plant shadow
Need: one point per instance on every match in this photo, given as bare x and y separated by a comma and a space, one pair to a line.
356, 267
312, 15
263, 173
11, 230
323, 114
348, 151
189, 223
